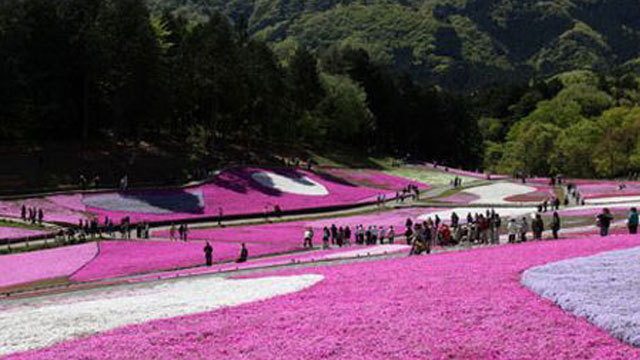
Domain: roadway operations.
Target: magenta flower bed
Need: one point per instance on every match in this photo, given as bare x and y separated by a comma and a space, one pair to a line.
18, 233
605, 189
61, 208
44, 264
124, 258
234, 190
464, 305
303, 257
542, 192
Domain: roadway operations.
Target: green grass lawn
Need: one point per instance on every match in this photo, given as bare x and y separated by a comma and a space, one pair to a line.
434, 178
13, 224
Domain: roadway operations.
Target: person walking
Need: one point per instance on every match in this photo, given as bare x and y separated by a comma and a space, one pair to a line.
172, 232
512, 230
244, 254
632, 221
308, 238
555, 224
325, 237
603, 220
537, 226
208, 254
524, 228
391, 235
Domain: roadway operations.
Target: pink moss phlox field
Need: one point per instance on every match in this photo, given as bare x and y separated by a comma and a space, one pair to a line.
124, 258
302, 257
18, 233
61, 208
44, 264
542, 193
604, 189
233, 190
462, 305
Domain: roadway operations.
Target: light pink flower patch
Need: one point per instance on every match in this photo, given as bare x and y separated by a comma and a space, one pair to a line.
461, 198
606, 189
17, 233
44, 264
54, 211
463, 305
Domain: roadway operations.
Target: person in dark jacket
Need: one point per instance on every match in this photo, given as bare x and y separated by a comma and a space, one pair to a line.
208, 254
604, 221
555, 224
632, 221
244, 254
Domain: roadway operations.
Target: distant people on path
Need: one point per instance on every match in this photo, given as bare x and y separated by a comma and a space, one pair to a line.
208, 254
23, 213
632, 221
603, 221
244, 254
555, 224
172, 232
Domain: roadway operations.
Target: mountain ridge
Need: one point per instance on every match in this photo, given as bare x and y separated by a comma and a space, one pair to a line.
458, 44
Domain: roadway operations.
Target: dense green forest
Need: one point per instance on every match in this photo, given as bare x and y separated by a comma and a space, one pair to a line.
97, 70
459, 44
537, 88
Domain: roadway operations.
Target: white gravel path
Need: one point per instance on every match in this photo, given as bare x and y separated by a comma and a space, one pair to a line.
375, 250
302, 186
497, 193
604, 288
42, 322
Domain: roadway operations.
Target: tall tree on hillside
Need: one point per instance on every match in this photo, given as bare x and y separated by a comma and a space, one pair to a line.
304, 79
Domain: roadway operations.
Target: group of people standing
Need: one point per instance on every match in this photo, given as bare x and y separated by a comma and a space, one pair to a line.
31, 214
183, 232
517, 229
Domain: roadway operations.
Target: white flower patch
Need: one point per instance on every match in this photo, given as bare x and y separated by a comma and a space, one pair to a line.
40, 322
369, 251
603, 288
497, 193
299, 186
462, 212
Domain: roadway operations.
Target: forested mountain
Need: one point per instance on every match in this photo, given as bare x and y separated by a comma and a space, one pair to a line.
459, 44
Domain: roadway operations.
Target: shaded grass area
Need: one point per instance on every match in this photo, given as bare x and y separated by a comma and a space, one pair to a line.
14, 224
